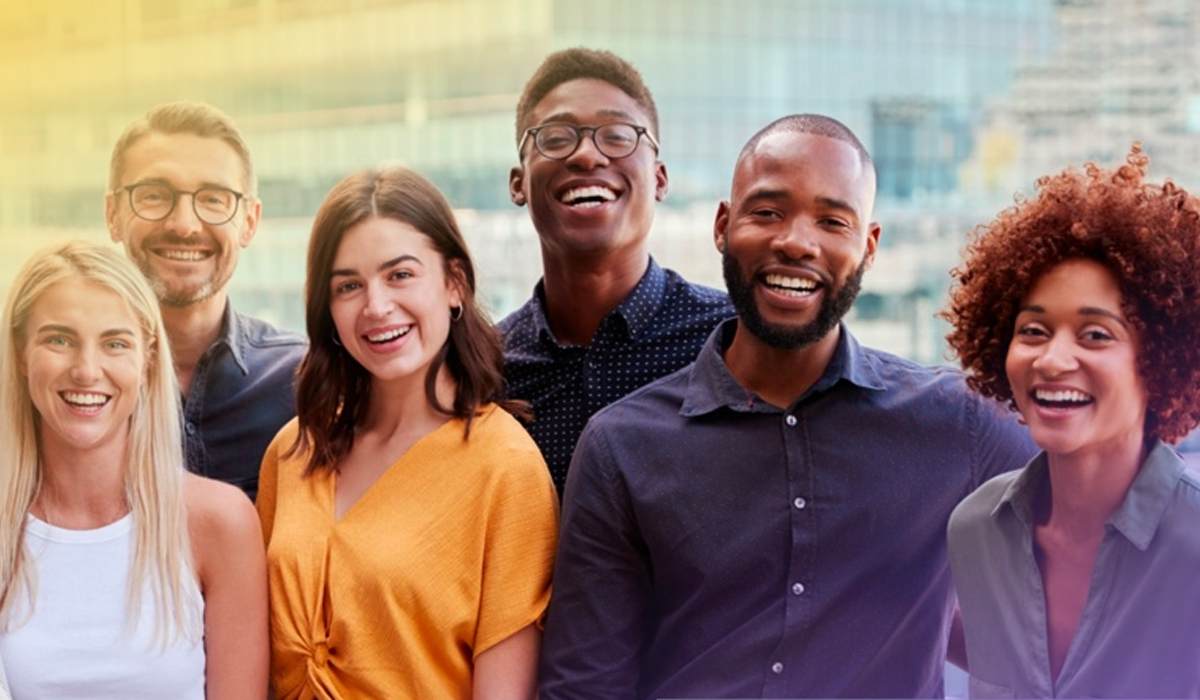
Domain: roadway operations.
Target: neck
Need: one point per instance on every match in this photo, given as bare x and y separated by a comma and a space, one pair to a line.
1087, 488
192, 330
402, 408
581, 290
779, 377
82, 489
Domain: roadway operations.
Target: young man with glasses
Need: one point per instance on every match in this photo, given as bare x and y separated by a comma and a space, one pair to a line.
182, 200
605, 319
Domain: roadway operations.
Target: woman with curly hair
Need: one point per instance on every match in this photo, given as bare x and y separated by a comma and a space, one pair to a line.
410, 520
1080, 307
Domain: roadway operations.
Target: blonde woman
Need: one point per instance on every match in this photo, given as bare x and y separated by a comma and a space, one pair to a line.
121, 576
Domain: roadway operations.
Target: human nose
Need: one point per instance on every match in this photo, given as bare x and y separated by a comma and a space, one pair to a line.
377, 302
183, 219
86, 368
587, 154
1057, 356
796, 240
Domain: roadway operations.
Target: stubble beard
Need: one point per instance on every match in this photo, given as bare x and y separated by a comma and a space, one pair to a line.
171, 292
835, 304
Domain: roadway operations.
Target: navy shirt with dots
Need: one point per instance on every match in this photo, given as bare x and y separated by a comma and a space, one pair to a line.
659, 328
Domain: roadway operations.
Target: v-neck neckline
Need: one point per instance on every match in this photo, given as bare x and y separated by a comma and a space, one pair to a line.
421, 445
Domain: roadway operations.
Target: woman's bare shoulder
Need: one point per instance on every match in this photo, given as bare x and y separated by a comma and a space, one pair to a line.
220, 517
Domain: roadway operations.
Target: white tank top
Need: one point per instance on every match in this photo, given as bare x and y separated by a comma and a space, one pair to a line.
76, 643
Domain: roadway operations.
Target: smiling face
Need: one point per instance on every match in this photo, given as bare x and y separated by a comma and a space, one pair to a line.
186, 260
1072, 363
391, 300
589, 203
796, 236
84, 358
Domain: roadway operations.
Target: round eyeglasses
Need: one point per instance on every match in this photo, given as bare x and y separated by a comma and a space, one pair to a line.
155, 201
557, 141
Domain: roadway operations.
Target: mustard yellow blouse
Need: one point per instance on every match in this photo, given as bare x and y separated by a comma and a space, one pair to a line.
448, 553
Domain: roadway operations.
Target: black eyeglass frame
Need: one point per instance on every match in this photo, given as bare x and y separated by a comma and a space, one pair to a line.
535, 130
237, 201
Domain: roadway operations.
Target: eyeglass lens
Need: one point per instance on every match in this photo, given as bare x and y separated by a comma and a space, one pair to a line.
561, 140
213, 205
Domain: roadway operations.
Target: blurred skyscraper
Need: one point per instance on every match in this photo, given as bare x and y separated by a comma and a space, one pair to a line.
323, 87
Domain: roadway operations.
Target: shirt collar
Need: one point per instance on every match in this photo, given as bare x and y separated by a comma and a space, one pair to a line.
637, 309
1148, 497
711, 385
233, 337
1139, 514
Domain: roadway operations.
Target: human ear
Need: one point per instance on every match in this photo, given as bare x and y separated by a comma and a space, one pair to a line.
516, 184
721, 227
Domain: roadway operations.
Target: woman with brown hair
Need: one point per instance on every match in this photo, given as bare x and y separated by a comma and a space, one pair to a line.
410, 520
1076, 576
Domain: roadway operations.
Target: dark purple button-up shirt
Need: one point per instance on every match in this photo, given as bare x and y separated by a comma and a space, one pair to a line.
715, 546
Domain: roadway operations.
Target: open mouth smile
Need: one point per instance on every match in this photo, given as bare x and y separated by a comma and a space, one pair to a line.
388, 335
86, 401
1061, 398
189, 255
789, 286
588, 196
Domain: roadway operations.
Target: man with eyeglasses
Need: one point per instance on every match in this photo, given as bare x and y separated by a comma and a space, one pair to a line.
182, 200
605, 319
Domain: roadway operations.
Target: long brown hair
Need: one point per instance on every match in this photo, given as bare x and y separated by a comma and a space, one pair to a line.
333, 390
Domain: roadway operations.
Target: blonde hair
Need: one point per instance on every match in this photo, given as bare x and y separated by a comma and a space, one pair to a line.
154, 466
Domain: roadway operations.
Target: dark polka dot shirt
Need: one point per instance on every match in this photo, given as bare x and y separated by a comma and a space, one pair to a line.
658, 329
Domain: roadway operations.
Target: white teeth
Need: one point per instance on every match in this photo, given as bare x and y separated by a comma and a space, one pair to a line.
592, 193
1061, 396
794, 286
389, 335
82, 399
188, 255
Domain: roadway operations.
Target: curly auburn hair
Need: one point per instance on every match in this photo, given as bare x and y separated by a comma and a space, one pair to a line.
1147, 235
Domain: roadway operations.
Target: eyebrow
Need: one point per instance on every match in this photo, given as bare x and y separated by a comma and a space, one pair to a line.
571, 118
68, 330
166, 183
780, 194
1083, 311
347, 272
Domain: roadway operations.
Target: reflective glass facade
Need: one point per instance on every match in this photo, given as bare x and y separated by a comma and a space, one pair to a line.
961, 102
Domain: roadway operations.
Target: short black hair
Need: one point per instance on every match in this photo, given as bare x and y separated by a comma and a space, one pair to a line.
578, 63
816, 124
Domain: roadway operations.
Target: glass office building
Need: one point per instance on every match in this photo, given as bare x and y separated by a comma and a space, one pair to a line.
961, 103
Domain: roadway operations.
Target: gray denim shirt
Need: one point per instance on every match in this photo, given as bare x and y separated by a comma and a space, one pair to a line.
241, 394
1139, 635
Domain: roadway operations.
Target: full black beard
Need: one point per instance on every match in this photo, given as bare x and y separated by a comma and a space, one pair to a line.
834, 306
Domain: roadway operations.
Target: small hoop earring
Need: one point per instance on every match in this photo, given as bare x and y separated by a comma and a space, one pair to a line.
456, 312
336, 341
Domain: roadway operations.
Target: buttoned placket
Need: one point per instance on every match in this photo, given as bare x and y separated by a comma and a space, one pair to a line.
785, 664
193, 406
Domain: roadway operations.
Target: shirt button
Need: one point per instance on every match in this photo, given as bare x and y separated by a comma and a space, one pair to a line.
790, 420
799, 502
776, 667
797, 588
190, 428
